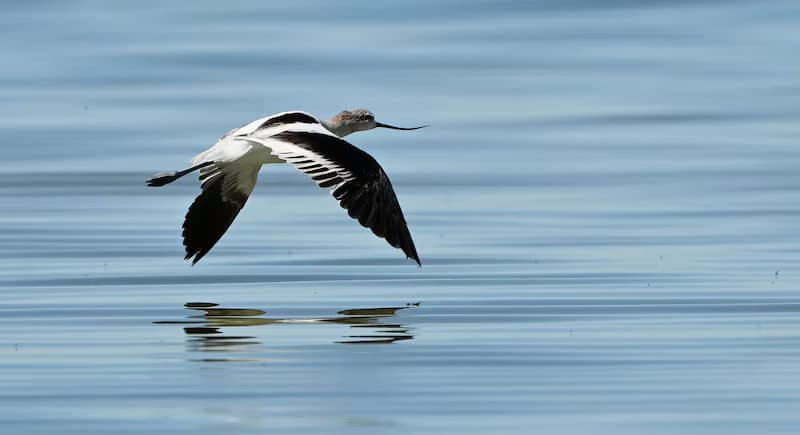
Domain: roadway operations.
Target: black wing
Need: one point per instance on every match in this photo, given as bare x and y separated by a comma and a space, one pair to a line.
356, 179
225, 191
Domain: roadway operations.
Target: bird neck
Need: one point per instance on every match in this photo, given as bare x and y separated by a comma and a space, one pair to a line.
336, 127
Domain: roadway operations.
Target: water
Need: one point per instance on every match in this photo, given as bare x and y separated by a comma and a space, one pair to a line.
605, 206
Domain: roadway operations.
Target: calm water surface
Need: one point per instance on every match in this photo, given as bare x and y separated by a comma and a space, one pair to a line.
606, 207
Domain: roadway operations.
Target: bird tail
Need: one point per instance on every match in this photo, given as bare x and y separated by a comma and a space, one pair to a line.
162, 179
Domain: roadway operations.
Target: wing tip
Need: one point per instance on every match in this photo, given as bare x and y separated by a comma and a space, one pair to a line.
414, 256
188, 257
194, 253
406, 244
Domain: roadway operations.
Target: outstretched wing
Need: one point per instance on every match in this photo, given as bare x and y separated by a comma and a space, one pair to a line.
226, 187
229, 176
357, 181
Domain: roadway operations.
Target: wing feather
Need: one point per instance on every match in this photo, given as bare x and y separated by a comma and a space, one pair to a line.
226, 188
355, 178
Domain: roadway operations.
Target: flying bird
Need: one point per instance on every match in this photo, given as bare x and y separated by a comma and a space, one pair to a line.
229, 170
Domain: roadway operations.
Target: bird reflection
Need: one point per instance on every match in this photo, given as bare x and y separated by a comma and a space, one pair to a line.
207, 330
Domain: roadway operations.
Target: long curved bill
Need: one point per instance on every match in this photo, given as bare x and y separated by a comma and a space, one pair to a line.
378, 124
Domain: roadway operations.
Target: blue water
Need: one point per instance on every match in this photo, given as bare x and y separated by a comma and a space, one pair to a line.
605, 204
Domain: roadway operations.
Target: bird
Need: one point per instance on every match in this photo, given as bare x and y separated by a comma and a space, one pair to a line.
229, 170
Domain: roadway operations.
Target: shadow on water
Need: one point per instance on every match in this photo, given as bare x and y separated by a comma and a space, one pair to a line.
208, 331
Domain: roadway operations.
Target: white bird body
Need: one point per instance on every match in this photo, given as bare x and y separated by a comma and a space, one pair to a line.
229, 171
231, 146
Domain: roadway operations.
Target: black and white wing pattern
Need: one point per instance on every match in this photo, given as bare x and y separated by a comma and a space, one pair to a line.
355, 178
226, 187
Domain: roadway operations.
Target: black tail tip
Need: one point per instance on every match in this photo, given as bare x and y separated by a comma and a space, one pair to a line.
161, 179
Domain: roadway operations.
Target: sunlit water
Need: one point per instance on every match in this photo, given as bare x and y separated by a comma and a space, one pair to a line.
605, 204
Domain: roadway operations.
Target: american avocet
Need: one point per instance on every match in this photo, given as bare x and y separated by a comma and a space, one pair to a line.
229, 169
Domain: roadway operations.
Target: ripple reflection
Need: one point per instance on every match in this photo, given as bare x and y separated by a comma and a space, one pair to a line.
207, 331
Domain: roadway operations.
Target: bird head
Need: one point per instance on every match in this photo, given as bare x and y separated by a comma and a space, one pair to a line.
351, 121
